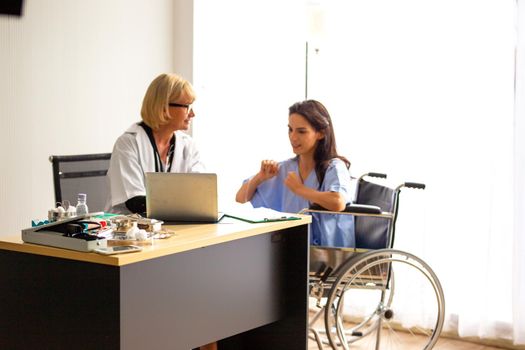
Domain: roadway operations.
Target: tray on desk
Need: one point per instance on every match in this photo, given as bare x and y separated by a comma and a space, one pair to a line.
53, 234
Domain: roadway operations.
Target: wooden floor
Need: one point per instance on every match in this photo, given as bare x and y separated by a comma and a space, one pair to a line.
406, 338
442, 344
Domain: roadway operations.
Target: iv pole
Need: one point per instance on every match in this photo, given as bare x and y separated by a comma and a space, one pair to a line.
306, 73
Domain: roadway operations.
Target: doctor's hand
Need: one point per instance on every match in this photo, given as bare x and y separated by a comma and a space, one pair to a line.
269, 168
293, 182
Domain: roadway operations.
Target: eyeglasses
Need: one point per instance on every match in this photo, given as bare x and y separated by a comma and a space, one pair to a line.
189, 108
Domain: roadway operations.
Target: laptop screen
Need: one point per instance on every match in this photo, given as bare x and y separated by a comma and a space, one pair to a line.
182, 196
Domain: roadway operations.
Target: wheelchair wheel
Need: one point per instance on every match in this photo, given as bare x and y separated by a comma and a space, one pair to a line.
385, 299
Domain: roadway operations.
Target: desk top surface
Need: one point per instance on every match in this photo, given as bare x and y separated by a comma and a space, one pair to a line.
185, 238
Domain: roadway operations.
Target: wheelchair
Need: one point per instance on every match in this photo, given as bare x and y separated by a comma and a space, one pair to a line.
357, 290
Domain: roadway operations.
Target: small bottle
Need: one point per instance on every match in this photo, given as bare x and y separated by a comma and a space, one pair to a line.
82, 207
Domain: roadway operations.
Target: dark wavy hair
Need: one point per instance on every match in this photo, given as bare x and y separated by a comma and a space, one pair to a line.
317, 115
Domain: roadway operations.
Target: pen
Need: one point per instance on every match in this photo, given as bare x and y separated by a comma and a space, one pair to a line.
273, 219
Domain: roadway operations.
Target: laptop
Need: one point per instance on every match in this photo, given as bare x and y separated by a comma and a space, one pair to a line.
182, 197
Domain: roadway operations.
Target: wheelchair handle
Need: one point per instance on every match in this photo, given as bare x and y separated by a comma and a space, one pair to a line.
415, 185
379, 175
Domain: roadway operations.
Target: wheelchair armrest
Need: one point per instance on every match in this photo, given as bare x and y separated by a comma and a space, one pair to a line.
362, 209
353, 208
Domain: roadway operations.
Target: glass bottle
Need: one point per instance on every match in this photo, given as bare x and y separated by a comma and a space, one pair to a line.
82, 207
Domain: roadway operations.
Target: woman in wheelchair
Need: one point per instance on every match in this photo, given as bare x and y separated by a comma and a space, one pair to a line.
316, 175
359, 292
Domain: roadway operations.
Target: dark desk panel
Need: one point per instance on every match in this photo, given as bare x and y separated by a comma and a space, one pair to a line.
251, 292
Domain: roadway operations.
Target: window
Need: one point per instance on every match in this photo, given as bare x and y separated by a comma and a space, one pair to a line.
421, 90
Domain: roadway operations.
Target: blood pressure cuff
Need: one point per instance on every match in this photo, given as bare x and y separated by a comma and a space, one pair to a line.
137, 204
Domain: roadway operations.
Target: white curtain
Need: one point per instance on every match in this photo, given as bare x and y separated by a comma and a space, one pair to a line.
423, 90
519, 183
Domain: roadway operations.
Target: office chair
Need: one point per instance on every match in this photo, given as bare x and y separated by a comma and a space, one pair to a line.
84, 173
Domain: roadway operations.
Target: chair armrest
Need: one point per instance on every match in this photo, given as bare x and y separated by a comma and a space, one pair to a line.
352, 208
362, 209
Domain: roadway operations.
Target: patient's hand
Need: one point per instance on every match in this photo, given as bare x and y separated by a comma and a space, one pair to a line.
269, 168
293, 182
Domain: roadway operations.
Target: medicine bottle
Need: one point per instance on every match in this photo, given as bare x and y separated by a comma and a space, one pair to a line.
82, 207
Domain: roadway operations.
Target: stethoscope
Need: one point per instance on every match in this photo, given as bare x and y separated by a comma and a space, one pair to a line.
158, 162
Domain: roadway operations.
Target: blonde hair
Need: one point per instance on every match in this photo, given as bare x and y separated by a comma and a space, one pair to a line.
163, 89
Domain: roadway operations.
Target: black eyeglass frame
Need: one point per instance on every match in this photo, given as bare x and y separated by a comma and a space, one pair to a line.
189, 107
179, 105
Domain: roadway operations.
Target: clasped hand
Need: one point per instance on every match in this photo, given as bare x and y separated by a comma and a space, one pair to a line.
270, 168
293, 181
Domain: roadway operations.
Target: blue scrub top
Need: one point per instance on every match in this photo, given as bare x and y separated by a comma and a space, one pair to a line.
329, 230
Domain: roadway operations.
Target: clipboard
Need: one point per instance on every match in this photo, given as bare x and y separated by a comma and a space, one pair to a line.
261, 215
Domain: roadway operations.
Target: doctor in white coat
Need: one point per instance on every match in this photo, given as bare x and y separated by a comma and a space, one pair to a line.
157, 144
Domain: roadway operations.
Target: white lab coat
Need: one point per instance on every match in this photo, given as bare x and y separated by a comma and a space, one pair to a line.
133, 156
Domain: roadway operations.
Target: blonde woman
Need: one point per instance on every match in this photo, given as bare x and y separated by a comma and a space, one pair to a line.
156, 144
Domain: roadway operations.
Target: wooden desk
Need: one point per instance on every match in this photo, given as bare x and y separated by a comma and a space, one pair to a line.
243, 283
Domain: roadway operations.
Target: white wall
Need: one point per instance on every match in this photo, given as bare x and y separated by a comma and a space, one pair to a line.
72, 77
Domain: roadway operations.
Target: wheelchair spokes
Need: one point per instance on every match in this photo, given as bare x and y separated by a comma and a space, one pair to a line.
367, 303
376, 297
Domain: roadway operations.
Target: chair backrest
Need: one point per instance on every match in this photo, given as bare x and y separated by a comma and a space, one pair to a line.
374, 232
84, 173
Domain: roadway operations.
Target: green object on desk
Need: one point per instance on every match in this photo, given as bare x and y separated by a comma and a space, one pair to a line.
105, 216
258, 219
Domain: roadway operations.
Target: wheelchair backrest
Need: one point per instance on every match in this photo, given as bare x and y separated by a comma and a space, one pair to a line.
374, 232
